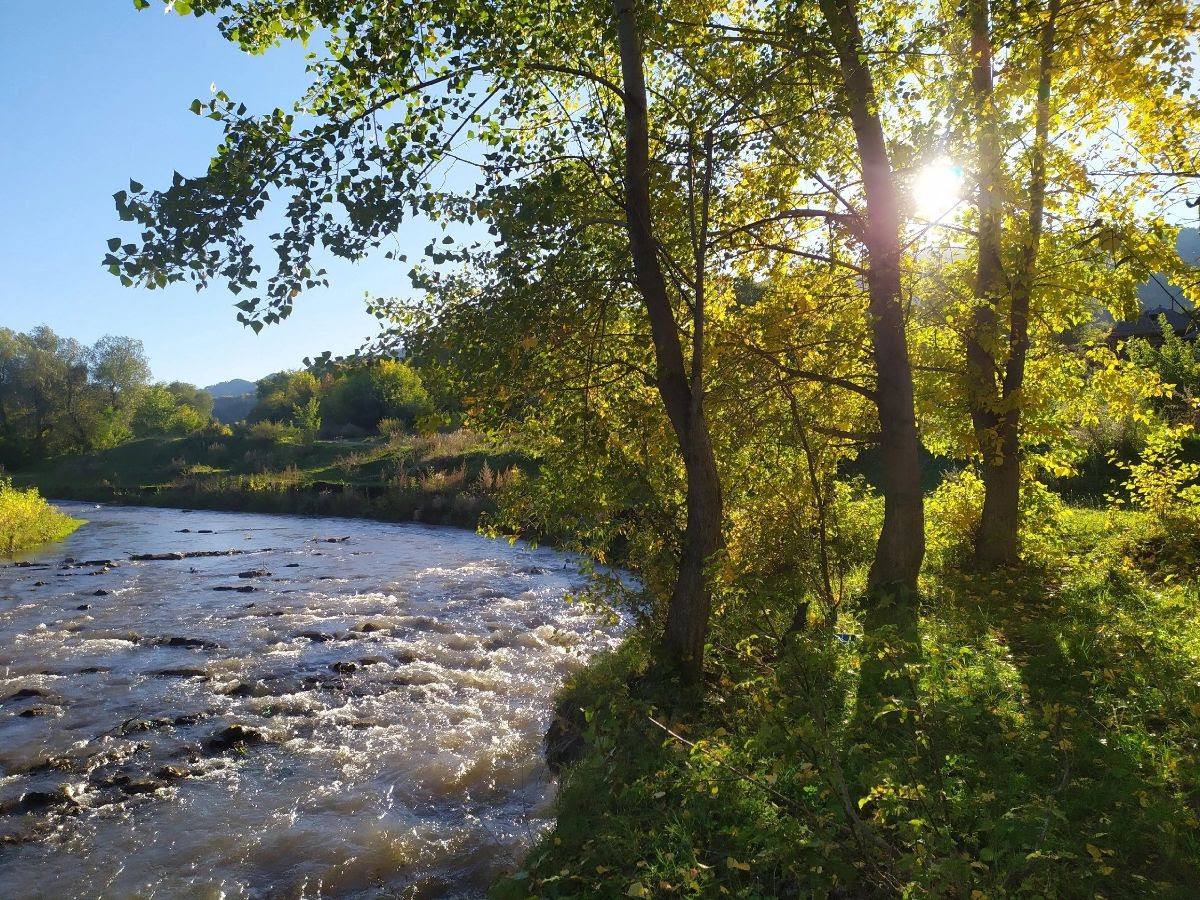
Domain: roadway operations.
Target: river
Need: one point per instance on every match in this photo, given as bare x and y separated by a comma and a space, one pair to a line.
341, 708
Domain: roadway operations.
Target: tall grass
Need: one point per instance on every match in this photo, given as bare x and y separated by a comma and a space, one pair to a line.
27, 520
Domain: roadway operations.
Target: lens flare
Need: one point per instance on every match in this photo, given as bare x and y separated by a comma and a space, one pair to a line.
937, 190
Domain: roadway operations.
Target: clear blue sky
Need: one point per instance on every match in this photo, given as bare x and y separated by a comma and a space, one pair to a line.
94, 93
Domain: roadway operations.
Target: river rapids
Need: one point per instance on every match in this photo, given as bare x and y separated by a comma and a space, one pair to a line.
335, 709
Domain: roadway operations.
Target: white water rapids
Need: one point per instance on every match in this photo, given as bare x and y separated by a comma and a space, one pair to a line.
312, 717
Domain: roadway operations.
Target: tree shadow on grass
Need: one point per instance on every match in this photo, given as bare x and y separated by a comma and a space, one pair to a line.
1097, 782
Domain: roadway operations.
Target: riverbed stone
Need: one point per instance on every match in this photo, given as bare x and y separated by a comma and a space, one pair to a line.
182, 672
34, 712
27, 694
233, 736
188, 642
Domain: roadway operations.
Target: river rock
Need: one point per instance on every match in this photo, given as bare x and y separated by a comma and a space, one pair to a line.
248, 689
563, 741
35, 712
254, 573
189, 642
181, 673
26, 694
37, 801
142, 786
234, 736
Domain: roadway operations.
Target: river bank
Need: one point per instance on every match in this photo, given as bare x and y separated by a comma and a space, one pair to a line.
449, 479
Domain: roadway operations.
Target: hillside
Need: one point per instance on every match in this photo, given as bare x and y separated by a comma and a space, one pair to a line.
235, 387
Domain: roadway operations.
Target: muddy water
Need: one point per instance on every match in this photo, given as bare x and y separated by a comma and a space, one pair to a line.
342, 709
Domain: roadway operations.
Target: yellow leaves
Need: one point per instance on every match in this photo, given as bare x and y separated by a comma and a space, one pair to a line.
735, 864
637, 889
1098, 854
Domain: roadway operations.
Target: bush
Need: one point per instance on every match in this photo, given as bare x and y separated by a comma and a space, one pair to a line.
391, 428
27, 520
272, 433
952, 517
953, 510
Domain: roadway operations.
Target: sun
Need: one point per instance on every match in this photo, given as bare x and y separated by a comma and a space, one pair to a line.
937, 190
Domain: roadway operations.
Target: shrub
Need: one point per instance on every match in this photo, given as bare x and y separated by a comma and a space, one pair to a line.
27, 520
952, 517
391, 428
272, 433
953, 511
1176, 362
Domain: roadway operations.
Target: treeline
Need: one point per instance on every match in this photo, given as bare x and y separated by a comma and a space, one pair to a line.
58, 395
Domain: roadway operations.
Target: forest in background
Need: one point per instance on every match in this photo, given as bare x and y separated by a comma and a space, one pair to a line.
719, 277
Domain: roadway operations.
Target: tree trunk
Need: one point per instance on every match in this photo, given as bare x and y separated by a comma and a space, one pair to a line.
683, 397
893, 576
994, 389
994, 425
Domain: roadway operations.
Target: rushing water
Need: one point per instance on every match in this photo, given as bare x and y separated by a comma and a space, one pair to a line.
391, 682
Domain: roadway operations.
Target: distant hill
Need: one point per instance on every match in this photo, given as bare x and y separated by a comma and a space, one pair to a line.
234, 388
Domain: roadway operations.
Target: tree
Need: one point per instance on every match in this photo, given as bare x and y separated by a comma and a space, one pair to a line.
382, 122
363, 395
1019, 164
902, 539
120, 366
279, 394
193, 397
158, 412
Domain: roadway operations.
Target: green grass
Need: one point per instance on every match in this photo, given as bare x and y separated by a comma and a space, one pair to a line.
444, 478
1048, 748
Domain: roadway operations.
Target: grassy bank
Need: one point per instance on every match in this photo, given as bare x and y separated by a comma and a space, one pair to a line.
26, 520
439, 479
1047, 747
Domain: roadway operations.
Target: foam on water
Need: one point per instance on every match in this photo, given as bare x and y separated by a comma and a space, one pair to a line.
393, 688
